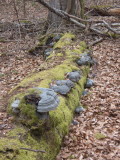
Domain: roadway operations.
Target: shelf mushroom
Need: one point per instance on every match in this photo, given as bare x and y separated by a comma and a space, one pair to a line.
89, 83
79, 109
62, 86
49, 101
15, 106
74, 76
85, 59
63, 89
67, 82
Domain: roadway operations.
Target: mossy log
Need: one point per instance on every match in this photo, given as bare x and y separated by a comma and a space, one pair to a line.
29, 131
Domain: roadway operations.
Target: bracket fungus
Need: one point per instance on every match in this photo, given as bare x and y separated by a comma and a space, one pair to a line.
63, 89
67, 82
89, 83
74, 76
57, 37
79, 109
62, 86
49, 101
15, 106
84, 93
85, 59
48, 51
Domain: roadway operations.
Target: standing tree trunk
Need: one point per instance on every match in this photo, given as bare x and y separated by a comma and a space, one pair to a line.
74, 7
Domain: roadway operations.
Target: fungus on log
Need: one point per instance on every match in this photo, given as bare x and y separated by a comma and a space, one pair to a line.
74, 76
49, 101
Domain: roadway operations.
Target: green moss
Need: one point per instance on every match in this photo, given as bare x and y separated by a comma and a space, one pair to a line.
62, 116
113, 35
2, 75
47, 76
41, 44
101, 6
25, 22
2, 39
83, 44
64, 41
16, 132
10, 149
99, 136
59, 54
29, 113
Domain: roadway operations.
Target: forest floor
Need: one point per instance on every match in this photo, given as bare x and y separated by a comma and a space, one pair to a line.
96, 135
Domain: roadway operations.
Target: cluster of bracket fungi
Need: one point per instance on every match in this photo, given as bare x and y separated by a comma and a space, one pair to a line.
63, 87
48, 100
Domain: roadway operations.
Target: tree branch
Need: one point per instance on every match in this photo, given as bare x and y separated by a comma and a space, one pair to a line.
76, 20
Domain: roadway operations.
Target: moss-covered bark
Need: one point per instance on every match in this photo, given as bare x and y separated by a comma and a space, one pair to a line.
47, 135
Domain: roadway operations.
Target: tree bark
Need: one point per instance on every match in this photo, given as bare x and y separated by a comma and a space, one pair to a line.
73, 7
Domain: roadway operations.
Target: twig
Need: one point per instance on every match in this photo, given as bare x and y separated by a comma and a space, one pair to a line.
88, 12
33, 150
96, 42
102, 22
61, 14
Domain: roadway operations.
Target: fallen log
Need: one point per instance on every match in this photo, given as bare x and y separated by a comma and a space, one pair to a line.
35, 138
97, 11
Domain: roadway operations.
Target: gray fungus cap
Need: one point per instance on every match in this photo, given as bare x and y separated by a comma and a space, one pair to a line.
67, 82
85, 59
63, 89
15, 106
49, 100
74, 76
89, 83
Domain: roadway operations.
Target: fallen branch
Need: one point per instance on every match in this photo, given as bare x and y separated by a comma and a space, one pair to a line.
96, 42
99, 22
61, 14
102, 22
111, 11
105, 24
76, 20
32, 150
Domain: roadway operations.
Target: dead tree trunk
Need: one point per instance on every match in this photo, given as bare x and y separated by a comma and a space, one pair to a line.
73, 7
